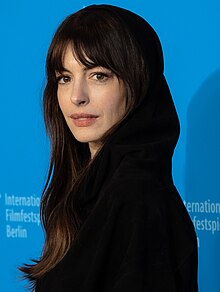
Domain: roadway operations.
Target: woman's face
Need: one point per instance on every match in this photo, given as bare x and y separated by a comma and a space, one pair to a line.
91, 100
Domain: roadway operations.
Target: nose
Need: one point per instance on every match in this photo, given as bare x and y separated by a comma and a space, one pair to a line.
79, 95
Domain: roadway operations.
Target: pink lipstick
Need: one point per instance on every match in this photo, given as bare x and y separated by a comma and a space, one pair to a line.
83, 119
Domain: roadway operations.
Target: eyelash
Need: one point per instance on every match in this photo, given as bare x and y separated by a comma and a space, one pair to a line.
60, 79
63, 79
103, 76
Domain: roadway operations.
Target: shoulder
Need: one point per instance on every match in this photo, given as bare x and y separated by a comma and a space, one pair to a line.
138, 182
135, 190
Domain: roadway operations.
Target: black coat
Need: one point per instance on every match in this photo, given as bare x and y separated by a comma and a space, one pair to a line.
136, 234
135, 239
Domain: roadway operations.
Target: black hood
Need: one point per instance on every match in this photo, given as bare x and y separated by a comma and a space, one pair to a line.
148, 135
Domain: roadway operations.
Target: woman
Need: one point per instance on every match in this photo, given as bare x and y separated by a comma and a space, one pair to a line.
113, 218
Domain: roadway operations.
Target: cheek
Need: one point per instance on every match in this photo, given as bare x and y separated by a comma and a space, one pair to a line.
61, 102
119, 105
115, 110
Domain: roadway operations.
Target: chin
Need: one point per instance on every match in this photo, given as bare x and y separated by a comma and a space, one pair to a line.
87, 139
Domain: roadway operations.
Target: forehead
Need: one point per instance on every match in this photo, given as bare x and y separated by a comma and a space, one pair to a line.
71, 58
69, 55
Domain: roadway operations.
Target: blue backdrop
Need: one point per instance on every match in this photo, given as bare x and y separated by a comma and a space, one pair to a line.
189, 32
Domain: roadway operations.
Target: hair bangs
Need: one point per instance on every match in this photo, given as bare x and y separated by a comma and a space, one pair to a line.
56, 57
95, 40
86, 49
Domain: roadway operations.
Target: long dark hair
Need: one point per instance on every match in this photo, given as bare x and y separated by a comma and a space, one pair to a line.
98, 37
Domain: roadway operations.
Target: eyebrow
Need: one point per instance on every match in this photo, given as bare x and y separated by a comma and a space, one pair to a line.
86, 68
62, 71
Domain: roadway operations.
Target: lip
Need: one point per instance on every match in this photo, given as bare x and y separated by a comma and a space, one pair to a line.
83, 119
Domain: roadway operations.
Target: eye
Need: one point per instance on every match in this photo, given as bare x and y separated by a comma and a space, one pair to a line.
100, 76
63, 79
